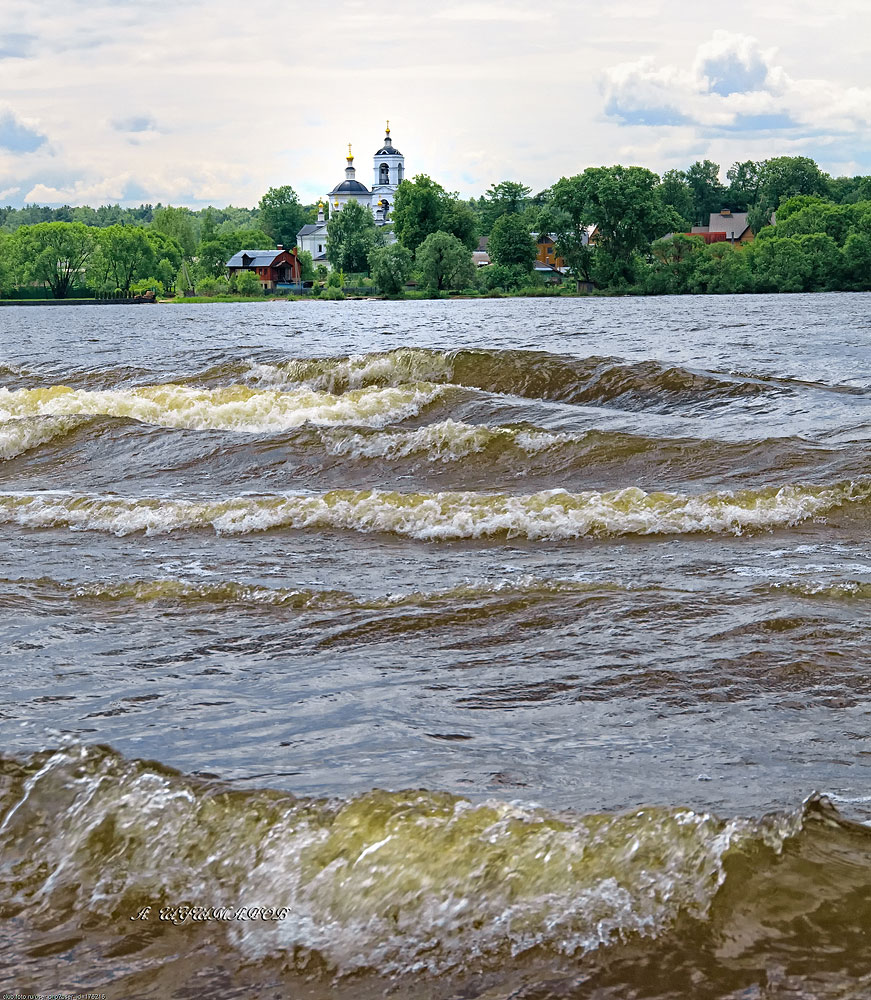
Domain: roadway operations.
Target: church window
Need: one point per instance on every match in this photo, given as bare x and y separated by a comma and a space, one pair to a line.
399, 171
383, 174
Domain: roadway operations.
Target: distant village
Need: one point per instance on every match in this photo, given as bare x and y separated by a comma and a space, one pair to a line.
778, 225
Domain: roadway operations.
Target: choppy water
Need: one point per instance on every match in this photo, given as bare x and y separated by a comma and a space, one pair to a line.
504, 648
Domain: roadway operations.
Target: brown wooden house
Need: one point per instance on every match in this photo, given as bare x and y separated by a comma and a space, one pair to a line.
272, 267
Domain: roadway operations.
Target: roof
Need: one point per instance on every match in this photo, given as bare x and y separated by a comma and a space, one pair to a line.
388, 149
311, 227
350, 187
256, 258
734, 225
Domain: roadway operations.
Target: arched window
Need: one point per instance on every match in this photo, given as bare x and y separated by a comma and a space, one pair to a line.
384, 174
399, 172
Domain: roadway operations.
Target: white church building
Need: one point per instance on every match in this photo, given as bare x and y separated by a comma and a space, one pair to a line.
388, 172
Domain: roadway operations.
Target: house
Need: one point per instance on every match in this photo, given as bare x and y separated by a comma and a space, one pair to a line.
272, 267
481, 255
725, 225
546, 251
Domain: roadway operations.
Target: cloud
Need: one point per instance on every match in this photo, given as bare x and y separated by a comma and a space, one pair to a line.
733, 85
16, 45
18, 137
141, 123
490, 12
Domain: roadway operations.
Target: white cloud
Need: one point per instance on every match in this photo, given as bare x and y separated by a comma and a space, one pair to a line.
733, 83
201, 102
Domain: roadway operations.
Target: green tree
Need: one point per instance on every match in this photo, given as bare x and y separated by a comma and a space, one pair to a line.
837, 221
781, 178
178, 224
126, 254
281, 215
744, 180
390, 268
568, 219
708, 194
508, 277
417, 210
247, 283
510, 242
7, 267
675, 191
626, 206
856, 262
673, 263
722, 269
55, 253
306, 266
504, 198
209, 227
351, 237
445, 263
460, 220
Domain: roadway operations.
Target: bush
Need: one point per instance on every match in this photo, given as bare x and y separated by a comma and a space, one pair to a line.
147, 285
391, 268
336, 279
332, 292
213, 286
247, 283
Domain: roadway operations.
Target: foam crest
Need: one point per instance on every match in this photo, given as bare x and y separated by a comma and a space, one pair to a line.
26, 433
446, 441
552, 515
233, 408
398, 881
843, 590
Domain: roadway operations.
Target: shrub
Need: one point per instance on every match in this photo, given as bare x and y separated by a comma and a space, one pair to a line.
332, 292
247, 283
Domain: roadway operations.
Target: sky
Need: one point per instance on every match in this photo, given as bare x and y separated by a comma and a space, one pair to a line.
196, 103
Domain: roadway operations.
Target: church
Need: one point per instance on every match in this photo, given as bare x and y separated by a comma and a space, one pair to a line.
388, 172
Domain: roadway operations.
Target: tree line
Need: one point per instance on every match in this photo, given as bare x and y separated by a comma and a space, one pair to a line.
813, 233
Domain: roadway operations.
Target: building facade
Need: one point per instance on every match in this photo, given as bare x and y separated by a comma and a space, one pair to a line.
388, 166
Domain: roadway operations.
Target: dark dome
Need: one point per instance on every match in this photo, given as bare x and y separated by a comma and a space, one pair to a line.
388, 151
350, 187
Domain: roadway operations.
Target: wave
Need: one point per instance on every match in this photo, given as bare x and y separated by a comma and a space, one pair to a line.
234, 408
26, 433
552, 515
229, 592
532, 374
415, 882
837, 591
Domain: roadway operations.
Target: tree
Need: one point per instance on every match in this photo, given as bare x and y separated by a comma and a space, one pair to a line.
781, 178
625, 204
675, 191
856, 262
281, 215
504, 198
568, 219
177, 223
722, 269
445, 263
126, 254
673, 263
351, 237
459, 220
390, 268
417, 210
7, 268
708, 194
306, 266
54, 253
511, 243
247, 283
744, 180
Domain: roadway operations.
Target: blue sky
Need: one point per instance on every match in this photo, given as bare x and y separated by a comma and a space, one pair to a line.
197, 103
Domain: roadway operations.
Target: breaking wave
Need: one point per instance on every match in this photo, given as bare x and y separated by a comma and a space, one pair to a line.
26, 433
532, 374
235, 408
551, 515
